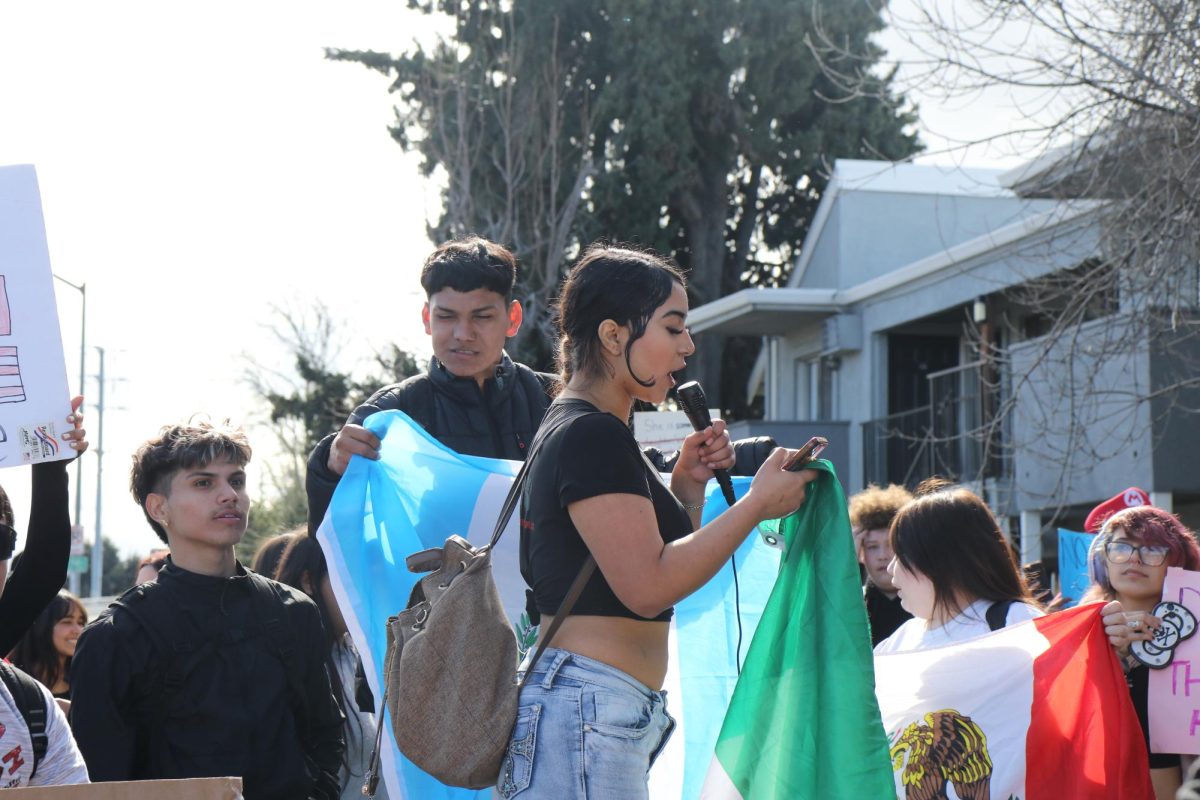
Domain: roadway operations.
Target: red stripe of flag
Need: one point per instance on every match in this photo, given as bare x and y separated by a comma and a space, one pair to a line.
1084, 739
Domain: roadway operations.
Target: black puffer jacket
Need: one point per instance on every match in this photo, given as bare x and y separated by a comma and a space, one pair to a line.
497, 421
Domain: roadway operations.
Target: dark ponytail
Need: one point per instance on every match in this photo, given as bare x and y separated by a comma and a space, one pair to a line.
608, 282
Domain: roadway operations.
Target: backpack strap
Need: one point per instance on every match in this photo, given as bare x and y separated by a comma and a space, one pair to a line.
581, 579
564, 610
271, 600
997, 614
172, 653
27, 693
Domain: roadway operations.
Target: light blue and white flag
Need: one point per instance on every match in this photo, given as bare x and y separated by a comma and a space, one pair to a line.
419, 492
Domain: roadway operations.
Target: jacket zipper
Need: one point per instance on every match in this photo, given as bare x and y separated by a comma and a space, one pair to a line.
494, 428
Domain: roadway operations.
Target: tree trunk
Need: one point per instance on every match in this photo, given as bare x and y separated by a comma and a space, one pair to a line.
704, 212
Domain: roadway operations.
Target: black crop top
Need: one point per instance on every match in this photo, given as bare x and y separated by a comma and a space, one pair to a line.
586, 453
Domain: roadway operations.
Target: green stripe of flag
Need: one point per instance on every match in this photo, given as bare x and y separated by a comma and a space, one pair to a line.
803, 723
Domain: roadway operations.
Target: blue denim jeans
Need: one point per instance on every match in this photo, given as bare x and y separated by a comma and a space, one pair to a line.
584, 730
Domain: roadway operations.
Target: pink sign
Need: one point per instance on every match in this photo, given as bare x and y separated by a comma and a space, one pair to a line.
1174, 701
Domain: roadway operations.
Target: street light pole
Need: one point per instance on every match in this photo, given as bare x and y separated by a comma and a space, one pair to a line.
98, 542
82, 289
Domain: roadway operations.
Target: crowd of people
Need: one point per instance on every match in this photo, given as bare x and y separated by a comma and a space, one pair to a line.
950, 575
156, 686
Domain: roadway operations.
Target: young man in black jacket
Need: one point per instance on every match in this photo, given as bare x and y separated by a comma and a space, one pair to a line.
473, 398
212, 670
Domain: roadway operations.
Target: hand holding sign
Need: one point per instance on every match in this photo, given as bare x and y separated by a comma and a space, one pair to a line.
1123, 628
1176, 623
76, 436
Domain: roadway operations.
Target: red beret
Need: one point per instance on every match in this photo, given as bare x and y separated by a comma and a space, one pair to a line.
1129, 498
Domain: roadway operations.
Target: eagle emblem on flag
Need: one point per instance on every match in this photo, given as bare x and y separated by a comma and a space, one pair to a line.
944, 748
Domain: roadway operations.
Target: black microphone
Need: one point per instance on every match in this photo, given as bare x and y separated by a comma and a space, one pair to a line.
695, 405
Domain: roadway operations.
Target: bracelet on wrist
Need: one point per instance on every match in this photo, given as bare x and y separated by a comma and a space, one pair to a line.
696, 507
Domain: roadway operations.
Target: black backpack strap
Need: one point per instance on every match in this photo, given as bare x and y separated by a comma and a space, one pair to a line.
27, 694
173, 654
997, 614
564, 610
581, 578
271, 600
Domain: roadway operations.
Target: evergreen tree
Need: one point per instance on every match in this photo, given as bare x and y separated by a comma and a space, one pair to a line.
697, 127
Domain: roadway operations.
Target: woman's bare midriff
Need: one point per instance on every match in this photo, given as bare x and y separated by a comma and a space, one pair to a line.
636, 647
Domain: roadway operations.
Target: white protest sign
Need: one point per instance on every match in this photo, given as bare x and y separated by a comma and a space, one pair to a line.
34, 398
665, 430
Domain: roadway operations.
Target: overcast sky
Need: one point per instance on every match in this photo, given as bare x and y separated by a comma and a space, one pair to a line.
199, 164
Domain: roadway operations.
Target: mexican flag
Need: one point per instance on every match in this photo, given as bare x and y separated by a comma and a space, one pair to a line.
1036, 711
803, 722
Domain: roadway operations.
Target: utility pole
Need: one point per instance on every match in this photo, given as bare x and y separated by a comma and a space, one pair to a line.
97, 564
82, 289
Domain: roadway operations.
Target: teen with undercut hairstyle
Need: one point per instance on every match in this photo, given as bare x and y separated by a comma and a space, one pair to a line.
212, 669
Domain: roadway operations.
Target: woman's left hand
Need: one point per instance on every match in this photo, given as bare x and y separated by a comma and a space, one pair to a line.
704, 451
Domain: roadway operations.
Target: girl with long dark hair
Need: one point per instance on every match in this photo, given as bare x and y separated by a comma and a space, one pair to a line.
302, 566
953, 569
46, 649
592, 715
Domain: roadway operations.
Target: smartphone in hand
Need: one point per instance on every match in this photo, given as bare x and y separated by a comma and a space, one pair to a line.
795, 462
801, 458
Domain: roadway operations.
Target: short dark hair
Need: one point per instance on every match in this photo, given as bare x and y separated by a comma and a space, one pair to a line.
182, 447
875, 507
609, 282
467, 264
950, 536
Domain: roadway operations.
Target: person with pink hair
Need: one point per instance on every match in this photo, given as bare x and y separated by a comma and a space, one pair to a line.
1128, 563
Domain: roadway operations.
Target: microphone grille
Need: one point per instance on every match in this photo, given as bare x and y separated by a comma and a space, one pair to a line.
690, 396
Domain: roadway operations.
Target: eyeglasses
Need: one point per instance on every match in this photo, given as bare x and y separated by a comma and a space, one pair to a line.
1150, 555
